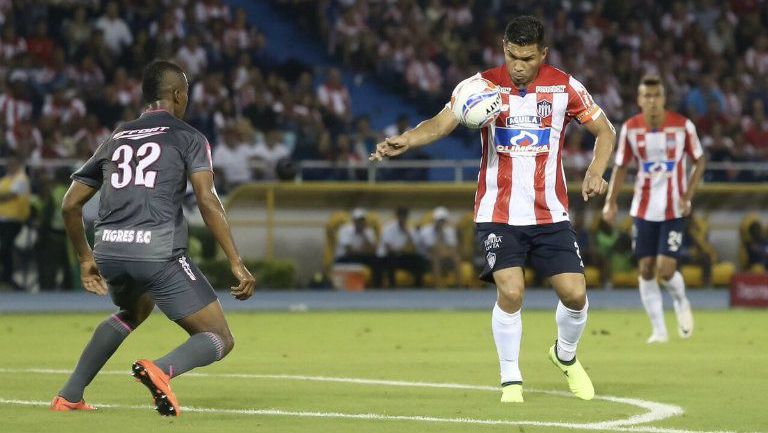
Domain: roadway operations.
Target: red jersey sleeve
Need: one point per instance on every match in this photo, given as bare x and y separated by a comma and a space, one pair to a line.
581, 106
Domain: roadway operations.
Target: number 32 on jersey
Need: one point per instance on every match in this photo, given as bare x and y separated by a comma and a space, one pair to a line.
146, 155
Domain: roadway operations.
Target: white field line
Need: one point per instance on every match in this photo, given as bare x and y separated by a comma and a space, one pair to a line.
655, 411
379, 417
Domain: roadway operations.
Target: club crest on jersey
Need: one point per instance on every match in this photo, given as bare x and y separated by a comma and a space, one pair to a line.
491, 258
521, 142
544, 108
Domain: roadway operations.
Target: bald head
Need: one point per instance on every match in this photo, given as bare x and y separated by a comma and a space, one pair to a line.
164, 85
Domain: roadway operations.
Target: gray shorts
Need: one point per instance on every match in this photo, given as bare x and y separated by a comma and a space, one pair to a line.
177, 286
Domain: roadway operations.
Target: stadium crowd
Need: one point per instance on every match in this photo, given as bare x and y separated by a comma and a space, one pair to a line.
712, 55
70, 73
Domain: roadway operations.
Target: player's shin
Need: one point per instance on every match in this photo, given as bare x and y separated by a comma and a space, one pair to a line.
198, 351
570, 326
650, 294
106, 339
507, 331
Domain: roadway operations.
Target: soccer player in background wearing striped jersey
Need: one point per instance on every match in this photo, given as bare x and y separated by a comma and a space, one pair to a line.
521, 204
659, 141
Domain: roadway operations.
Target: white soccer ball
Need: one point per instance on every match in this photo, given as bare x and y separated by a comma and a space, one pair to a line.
476, 102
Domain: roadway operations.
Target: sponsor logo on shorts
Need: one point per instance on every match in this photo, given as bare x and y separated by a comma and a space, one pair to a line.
491, 258
187, 269
127, 236
492, 242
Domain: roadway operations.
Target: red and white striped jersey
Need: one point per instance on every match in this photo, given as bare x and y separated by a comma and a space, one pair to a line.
660, 154
521, 180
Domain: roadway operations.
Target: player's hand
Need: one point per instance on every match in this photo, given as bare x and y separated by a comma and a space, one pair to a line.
247, 282
391, 146
593, 185
609, 212
91, 278
685, 207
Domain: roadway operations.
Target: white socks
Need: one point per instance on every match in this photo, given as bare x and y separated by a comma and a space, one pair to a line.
570, 325
676, 289
507, 331
650, 294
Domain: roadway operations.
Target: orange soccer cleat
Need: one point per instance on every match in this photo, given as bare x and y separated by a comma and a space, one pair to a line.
60, 404
159, 384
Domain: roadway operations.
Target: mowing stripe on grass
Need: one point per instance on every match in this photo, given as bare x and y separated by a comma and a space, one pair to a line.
379, 417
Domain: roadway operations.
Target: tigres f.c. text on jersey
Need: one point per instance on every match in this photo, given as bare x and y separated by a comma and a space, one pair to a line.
660, 155
521, 180
141, 171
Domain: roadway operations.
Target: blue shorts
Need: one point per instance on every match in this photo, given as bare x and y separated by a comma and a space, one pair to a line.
657, 238
550, 249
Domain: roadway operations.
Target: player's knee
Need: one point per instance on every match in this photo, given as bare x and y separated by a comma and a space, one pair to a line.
665, 273
510, 293
647, 271
229, 342
574, 299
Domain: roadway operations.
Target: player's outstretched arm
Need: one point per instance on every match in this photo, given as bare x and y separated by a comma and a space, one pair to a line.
614, 188
216, 220
425, 133
72, 213
605, 139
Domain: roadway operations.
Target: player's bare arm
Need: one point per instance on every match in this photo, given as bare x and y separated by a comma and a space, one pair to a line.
605, 135
216, 219
610, 208
425, 133
72, 213
693, 182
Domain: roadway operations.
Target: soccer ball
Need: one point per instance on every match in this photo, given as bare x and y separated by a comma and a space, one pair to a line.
476, 102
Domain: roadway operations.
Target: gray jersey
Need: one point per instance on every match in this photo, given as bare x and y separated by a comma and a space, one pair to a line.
142, 172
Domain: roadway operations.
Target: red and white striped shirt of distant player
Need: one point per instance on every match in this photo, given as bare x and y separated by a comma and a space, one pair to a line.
660, 155
521, 180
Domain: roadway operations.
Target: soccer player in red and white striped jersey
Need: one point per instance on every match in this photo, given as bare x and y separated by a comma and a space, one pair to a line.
521, 205
659, 141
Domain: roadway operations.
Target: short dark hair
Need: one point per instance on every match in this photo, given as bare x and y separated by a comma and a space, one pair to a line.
525, 30
651, 80
152, 79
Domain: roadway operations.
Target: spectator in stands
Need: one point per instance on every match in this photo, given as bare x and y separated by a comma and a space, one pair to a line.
77, 30
232, 159
364, 138
11, 44
192, 57
14, 106
335, 100
14, 212
40, 45
696, 249
401, 125
272, 150
757, 246
757, 131
117, 34
440, 246
356, 243
51, 248
398, 249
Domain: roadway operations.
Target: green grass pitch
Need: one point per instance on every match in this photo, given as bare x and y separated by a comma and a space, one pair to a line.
718, 378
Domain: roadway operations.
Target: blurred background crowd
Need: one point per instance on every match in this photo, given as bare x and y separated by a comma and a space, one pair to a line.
70, 72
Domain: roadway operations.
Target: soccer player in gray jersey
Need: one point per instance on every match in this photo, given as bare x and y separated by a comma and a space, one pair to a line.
139, 255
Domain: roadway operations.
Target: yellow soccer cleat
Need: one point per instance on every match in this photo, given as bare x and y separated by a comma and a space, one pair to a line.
512, 393
578, 379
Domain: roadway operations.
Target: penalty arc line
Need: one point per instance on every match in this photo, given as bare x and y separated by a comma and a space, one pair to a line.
656, 411
377, 417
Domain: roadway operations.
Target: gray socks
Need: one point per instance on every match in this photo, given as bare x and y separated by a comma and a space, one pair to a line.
200, 350
105, 341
